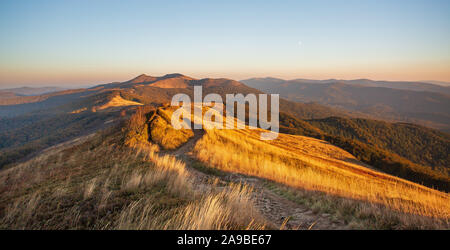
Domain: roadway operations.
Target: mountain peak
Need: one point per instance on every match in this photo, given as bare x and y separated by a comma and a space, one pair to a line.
173, 75
142, 78
177, 76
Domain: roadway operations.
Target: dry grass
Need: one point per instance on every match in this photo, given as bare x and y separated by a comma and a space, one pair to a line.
22, 210
118, 101
100, 184
162, 132
168, 170
315, 165
89, 188
230, 208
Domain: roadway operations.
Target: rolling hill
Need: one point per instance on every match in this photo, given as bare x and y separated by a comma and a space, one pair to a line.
412, 152
31, 123
121, 178
402, 150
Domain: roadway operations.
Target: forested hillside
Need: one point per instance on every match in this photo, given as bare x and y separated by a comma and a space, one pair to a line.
386, 156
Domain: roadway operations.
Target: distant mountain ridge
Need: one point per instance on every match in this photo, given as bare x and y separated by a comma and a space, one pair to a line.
7, 94
29, 91
441, 83
420, 103
403, 85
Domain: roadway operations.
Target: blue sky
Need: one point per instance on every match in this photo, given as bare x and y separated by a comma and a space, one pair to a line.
90, 42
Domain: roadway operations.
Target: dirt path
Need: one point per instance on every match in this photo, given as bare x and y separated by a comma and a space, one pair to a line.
280, 210
276, 209
189, 146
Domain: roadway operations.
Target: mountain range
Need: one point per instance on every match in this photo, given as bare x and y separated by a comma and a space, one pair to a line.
414, 102
28, 91
104, 140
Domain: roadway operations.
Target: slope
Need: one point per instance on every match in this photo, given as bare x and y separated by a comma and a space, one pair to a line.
99, 183
317, 166
387, 147
117, 179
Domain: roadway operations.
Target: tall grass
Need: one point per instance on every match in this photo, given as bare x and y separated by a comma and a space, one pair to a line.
315, 165
100, 184
230, 208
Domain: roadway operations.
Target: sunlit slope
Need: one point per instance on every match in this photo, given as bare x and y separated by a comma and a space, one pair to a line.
96, 182
118, 101
313, 164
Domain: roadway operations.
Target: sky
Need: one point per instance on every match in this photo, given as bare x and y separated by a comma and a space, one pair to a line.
77, 43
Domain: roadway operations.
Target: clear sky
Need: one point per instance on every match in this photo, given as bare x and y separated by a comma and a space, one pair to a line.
89, 42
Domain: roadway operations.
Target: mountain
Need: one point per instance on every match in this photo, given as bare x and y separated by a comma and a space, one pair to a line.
124, 178
28, 128
7, 94
414, 147
19, 99
403, 85
153, 90
107, 157
441, 83
27, 91
420, 103
110, 99
29, 124
415, 86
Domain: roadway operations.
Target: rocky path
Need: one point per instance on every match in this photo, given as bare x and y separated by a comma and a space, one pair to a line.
283, 213
279, 211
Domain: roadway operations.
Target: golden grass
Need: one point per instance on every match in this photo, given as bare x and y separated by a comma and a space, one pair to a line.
100, 184
316, 165
224, 210
89, 188
168, 170
162, 132
230, 208
118, 101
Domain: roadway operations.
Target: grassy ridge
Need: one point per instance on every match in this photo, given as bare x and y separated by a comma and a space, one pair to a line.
149, 124
365, 149
162, 132
103, 184
310, 164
